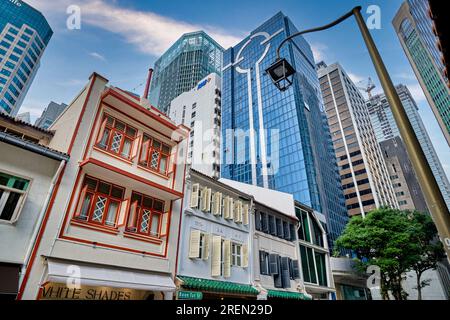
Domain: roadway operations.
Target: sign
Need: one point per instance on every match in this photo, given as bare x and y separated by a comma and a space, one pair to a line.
16, 2
203, 83
59, 291
189, 295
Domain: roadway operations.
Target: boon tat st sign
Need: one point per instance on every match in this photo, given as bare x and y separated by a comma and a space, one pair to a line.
189, 295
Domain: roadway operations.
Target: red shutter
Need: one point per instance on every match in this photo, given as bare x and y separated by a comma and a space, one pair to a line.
102, 129
80, 202
136, 145
123, 213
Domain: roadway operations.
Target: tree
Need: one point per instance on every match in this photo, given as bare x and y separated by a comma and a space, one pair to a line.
396, 241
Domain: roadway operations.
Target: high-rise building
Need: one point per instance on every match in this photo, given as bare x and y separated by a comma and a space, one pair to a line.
364, 175
182, 66
279, 140
407, 189
24, 35
50, 114
199, 109
415, 31
386, 128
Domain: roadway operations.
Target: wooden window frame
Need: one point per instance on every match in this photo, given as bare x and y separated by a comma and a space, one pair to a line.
150, 149
139, 208
94, 196
112, 130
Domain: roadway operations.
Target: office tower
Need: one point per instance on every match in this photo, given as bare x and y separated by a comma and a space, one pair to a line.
50, 114
407, 189
415, 31
24, 35
279, 140
182, 66
386, 128
199, 109
364, 175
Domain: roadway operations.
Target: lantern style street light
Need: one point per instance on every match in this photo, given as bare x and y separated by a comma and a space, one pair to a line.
282, 74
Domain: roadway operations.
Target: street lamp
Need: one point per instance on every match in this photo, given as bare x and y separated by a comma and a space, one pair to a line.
280, 70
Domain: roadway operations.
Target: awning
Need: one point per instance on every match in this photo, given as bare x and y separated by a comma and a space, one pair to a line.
98, 276
217, 286
287, 295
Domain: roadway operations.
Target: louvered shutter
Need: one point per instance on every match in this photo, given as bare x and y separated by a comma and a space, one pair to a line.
231, 208
287, 231
194, 244
293, 231
226, 208
206, 240
136, 145
245, 214
238, 212
244, 262
277, 278
280, 228
257, 221
263, 263
123, 213
216, 256
194, 195
227, 258
203, 199
296, 269
273, 264
208, 200
285, 276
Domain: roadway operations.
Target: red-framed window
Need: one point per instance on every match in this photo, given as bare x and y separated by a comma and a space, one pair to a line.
155, 155
145, 215
99, 202
116, 136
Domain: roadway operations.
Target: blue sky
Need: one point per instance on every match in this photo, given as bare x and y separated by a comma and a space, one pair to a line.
121, 39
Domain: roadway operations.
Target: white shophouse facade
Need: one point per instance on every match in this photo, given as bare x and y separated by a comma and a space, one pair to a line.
28, 174
113, 222
216, 239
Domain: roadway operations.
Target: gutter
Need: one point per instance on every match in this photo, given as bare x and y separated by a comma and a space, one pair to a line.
33, 147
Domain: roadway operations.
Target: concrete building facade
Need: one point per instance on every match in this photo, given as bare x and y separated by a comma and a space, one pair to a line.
200, 109
364, 175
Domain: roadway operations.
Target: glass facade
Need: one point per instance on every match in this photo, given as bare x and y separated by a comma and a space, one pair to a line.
179, 69
279, 140
414, 28
385, 128
24, 35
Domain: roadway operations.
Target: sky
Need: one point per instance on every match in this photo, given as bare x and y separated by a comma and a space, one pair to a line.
121, 39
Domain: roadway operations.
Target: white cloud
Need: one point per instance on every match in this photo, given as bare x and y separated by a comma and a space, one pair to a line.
97, 55
356, 78
417, 92
150, 32
319, 51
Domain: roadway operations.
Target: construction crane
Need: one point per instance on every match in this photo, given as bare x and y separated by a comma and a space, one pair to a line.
367, 87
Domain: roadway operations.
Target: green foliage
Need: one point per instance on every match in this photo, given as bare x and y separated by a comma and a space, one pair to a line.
394, 240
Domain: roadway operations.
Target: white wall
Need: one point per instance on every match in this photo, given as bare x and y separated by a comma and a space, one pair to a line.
15, 238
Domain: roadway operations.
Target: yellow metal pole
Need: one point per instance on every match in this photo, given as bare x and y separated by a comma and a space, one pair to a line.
433, 196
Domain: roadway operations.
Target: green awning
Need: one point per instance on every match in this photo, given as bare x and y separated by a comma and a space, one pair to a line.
287, 295
217, 286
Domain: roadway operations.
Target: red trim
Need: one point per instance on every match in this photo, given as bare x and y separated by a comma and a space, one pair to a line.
138, 121
91, 226
181, 219
153, 172
115, 156
40, 234
111, 246
128, 94
138, 107
80, 118
131, 176
142, 238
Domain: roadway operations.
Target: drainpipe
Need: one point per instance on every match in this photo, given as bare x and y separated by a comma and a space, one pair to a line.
40, 217
147, 85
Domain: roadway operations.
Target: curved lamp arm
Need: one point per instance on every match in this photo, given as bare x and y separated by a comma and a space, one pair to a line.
328, 26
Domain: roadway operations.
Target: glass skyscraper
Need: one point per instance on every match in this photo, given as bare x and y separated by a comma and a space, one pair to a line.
415, 31
24, 35
182, 66
386, 128
279, 140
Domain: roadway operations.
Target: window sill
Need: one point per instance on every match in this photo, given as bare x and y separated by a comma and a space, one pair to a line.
118, 157
164, 176
140, 237
88, 225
